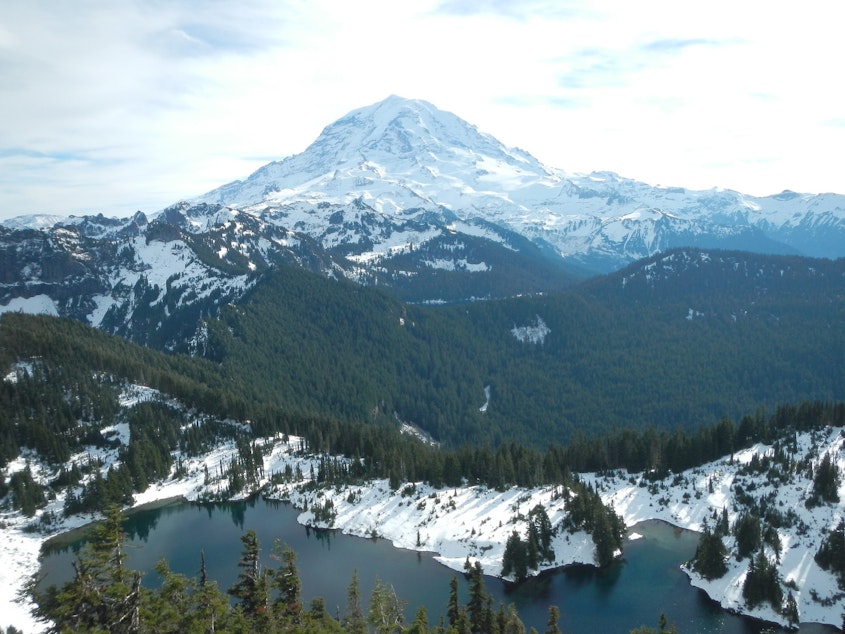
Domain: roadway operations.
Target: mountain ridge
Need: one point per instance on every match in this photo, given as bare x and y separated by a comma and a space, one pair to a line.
399, 154
405, 161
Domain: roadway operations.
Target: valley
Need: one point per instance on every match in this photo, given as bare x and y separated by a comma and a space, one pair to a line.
412, 332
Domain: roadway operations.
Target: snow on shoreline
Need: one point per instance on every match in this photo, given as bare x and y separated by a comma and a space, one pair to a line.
474, 522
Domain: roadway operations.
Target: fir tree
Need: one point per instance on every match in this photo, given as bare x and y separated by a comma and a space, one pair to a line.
515, 558
288, 604
748, 535
251, 587
477, 599
554, 617
831, 553
710, 555
386, 613
103, 595
826, 481
543, 531
790, 610
420, 624
453, 607
353, 619
762, 583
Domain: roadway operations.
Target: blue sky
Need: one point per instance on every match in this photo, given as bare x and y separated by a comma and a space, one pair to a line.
117, 105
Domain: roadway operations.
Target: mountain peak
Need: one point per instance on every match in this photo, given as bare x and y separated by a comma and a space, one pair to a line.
398, 127
404, 152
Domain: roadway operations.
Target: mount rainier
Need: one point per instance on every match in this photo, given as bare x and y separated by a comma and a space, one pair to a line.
398, 194
404, 158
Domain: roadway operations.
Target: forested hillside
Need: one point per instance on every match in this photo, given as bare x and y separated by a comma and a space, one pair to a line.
679, 340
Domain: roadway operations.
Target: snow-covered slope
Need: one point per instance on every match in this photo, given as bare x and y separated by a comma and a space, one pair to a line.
474, 522
402, 170
401, 157
397, 194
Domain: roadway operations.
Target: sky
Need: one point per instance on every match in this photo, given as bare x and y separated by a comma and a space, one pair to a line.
113, 106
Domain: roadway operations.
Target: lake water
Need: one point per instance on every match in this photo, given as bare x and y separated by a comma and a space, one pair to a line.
627, 594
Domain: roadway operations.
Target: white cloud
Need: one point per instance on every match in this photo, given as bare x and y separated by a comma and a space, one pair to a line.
117, 105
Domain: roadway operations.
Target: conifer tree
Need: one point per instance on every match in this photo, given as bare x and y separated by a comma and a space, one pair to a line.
251, 587
288, 604
477, 599
318, 620
748, 533
554, 617
826, 481
831, 553
420, 624
762, 583
103, 595
453, 607
514, 624
790, 610
515, 558
211, 605
386, 613
543, 531
710, 555
353, 619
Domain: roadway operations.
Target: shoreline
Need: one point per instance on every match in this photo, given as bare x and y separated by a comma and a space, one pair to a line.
474, 522
631, 535
76, 532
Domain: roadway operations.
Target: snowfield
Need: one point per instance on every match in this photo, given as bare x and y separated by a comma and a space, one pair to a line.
474, 522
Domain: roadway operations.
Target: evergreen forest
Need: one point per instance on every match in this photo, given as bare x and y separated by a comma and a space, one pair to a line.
631, 350
661, 367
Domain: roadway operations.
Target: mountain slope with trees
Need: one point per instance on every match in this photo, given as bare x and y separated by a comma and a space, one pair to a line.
677, 340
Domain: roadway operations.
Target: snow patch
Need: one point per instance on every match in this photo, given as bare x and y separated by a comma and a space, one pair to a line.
535, 333
35, 305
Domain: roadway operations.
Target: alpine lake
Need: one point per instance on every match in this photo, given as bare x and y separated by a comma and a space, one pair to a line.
634, 591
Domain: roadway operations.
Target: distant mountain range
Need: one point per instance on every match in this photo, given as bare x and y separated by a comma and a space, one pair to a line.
398, 195
403, 159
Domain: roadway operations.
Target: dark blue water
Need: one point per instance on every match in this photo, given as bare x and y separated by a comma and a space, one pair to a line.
628, 594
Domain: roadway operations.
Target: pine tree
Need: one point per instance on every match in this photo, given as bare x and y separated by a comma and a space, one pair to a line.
288, 604
477, 599
386, 610
554, 617
251, 587
103, 595
826, 481
420, 624
515, 558
453, 607
710, 555
353, 620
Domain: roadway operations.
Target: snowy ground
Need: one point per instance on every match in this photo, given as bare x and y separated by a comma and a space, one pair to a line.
474, 522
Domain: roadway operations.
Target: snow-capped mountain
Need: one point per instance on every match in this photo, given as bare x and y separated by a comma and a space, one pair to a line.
405, 158
401, 173
398, 194
131, 277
